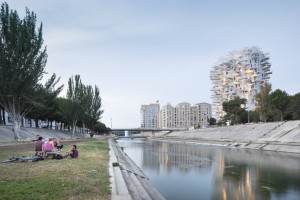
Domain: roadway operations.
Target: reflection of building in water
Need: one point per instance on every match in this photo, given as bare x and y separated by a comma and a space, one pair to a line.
168, 155
235, 173
254, 177
233, 181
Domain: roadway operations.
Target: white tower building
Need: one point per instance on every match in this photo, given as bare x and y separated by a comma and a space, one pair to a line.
239, 74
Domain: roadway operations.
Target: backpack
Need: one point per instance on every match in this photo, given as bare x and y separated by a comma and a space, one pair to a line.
58, 157
37, 158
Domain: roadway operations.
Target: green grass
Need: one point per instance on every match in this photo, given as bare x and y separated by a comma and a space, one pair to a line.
84, 178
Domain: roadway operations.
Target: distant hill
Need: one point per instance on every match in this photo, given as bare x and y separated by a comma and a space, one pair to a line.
28, 134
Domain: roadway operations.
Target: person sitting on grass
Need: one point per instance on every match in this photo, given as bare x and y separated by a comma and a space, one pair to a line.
39, 145
57, 144
48, 146
73, 152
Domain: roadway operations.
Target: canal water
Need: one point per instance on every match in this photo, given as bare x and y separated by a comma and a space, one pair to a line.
190, 172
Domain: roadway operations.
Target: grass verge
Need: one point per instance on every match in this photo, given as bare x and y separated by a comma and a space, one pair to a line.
84, 178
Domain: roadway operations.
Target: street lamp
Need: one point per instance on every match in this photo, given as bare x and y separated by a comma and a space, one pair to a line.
248, 116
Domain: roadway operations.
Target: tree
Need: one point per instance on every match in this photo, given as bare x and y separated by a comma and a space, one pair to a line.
93, 105
254, 116
73, 108
212, 121
65, 110
45, 100
234, 110
263, 106
22, 62
280, 102
295, 106
50, 91
101, 128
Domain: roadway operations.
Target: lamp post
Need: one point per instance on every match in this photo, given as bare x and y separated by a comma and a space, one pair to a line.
248, 116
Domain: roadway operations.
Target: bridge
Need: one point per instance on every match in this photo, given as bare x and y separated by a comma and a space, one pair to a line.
130, 131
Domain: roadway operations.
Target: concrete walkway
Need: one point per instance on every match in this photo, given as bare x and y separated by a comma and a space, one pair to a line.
128, 182
118, 185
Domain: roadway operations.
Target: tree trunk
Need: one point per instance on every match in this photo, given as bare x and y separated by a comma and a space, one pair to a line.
16, 130
36, 123
73, 128
3, 115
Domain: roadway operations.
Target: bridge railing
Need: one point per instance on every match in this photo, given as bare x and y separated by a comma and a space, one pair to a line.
149, 129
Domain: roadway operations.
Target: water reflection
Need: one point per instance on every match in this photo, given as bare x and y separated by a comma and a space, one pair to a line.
181, 171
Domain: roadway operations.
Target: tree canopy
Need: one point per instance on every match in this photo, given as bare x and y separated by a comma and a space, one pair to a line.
83, 104
235, 110
280, 101
22, 62
263, 106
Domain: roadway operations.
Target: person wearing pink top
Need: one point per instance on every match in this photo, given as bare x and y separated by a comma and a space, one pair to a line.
48, 146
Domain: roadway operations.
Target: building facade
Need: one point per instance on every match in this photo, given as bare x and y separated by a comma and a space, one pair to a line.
184, 115
239, 74
149, 115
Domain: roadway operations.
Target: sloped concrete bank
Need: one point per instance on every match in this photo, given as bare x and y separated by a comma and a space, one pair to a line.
29, 134
127, 180
275, 136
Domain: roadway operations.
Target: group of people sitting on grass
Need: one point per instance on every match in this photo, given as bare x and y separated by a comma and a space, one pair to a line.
53, 145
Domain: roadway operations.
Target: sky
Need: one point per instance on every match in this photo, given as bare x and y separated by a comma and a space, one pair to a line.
142, 51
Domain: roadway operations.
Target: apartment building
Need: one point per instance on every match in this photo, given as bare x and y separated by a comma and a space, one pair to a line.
149, 115
184, 115
201, 113
239, 74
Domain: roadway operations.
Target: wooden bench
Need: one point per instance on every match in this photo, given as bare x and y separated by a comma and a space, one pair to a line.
46, 154
51, 154
40, 153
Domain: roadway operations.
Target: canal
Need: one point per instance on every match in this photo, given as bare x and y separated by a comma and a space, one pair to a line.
181, 171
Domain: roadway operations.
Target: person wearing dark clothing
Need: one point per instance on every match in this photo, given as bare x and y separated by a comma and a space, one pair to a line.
39, 145
73, 152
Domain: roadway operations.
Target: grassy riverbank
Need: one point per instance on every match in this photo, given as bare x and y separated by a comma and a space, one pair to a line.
84, 178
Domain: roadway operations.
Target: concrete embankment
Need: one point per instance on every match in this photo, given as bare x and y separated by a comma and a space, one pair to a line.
28, 134
275, 136
128, 181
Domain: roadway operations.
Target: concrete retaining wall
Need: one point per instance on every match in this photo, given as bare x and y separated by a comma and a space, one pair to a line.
28, 134
274, 136
129, 181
